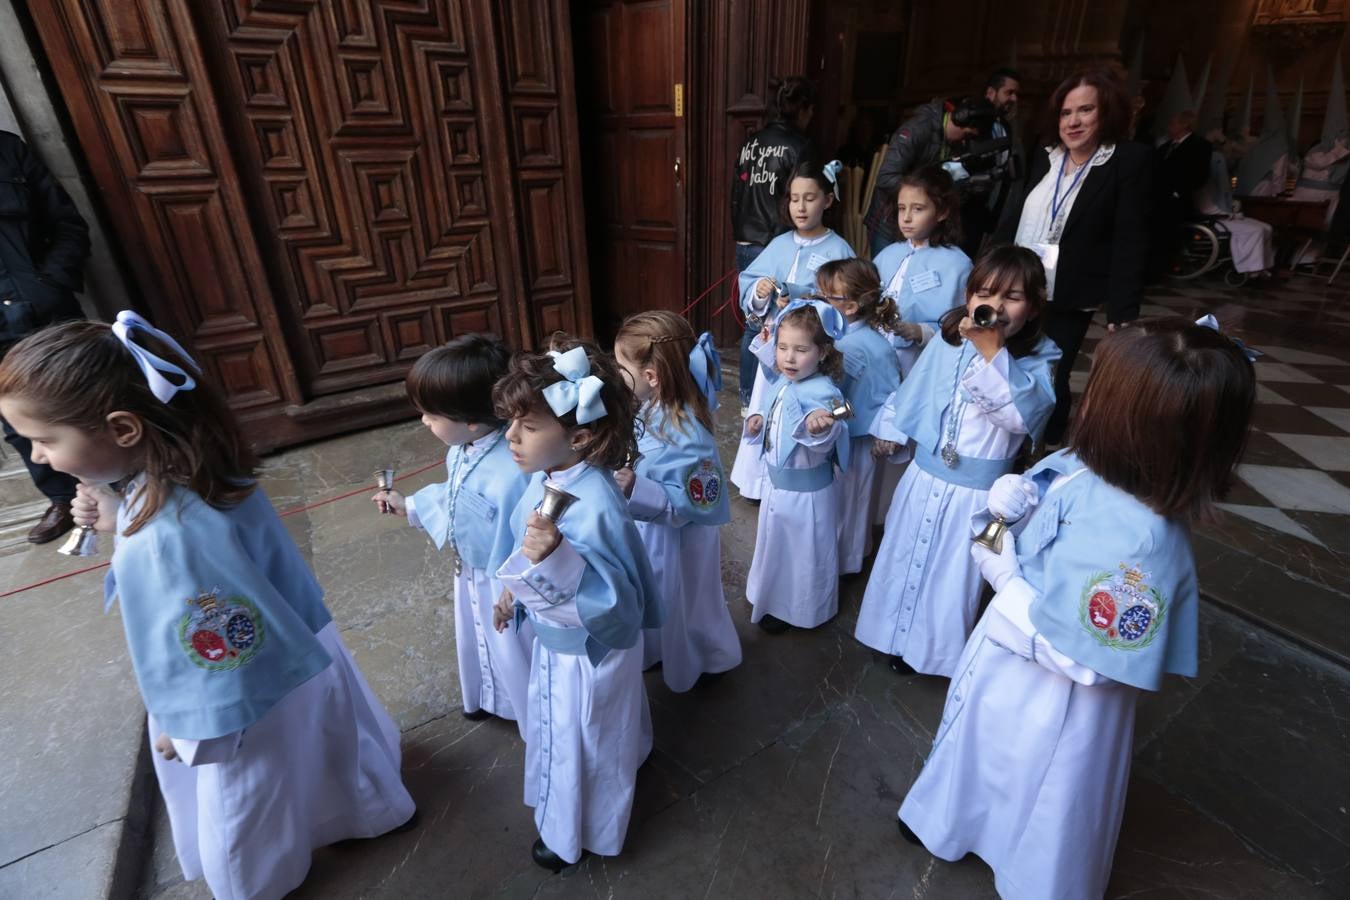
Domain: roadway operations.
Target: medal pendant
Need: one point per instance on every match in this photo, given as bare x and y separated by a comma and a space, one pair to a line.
950, 457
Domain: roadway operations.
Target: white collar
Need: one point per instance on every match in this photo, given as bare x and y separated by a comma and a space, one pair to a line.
1103, 153
568, 475
809, 242
855, 325
478, 445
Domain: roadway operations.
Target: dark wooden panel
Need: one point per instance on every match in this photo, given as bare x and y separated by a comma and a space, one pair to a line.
146, 114
541, 98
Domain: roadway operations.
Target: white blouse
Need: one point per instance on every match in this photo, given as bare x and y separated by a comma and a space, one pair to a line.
1037, 223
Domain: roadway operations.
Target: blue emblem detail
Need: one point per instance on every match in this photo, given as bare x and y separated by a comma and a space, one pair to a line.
1134, 622
239, 631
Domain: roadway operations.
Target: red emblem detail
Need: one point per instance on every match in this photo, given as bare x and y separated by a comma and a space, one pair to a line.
1102, 609
210, 645
696, 490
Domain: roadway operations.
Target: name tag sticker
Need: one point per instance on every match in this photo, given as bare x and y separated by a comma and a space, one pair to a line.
1049, 254
816, 261
924, 281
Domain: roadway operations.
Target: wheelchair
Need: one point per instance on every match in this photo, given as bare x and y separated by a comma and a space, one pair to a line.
1203, 246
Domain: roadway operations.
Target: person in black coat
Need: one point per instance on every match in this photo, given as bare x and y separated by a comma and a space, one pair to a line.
1084, 208
43, 245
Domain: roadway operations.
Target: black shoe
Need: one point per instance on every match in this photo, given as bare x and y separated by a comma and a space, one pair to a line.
547, 859
900, 667
55, 522
773, 625
908, 833
708, 679
477, 715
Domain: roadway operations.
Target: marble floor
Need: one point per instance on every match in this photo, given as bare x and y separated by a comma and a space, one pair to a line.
782, 780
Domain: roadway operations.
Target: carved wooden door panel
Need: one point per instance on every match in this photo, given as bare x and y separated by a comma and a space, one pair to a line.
635, 159
360, 124
312, 193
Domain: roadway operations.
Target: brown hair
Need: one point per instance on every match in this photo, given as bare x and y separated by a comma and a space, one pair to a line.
831, 360
941, 192
520, 392
76, 373
1113, 106
661, 340
1165, 415
862, 284
1000, 269
455, 380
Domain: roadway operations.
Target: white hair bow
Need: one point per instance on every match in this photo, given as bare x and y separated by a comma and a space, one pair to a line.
151, 365
580, 390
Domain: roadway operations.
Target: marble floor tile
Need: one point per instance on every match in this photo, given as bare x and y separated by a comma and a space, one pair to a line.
1266, 394
1297, 488
1291, 419
1326, 452
1314, 394
1303, 357
1281, 372
1336, 415
1272, 517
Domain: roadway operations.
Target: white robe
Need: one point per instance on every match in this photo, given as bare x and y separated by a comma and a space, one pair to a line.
494, 667
857, 500
1030, 764
924, 589
747, 470
587, 728
697, 635
794, 573
322, 765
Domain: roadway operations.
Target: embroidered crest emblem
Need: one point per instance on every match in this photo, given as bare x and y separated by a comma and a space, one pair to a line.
703, 484
220, 634
1122, 611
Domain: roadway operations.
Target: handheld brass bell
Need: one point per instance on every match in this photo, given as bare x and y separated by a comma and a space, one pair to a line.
985, 316
556, 502
82, 542
991, 538
384, 480
843, 411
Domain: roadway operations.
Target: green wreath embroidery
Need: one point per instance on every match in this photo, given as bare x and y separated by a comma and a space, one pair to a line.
221, 634
1110, 637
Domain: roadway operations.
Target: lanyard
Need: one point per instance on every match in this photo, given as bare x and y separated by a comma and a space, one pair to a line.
1055, 204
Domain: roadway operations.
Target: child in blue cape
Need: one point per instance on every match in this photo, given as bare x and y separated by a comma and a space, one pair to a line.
871, 375
268, 742
784, 272
585, 583
677, 493
974, 397
1095, 600
926, 272
469, 515
794, 573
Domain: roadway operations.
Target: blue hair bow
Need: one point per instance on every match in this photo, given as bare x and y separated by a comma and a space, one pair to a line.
831, 172
1208, 321
580, 390
706, 367
831, 319
151, 365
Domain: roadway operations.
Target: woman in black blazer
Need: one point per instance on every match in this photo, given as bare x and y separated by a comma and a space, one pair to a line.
1084, 210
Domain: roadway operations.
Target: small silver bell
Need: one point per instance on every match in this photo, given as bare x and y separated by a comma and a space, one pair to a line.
384, 480
985, 316
83, 542
843, 411
991, 538
556, 502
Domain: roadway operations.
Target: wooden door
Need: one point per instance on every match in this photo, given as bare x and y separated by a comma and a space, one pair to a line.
312, 193
630, 78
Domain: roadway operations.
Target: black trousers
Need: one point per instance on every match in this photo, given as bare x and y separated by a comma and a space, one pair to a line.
58, 487
1067, 328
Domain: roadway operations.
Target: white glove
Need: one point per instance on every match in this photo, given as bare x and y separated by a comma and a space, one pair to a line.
1012, 497
956, 170
998, 568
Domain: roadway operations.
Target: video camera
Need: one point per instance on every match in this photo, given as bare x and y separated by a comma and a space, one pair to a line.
983, 165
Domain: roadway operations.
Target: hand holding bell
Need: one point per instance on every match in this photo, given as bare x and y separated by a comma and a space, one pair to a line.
384, 480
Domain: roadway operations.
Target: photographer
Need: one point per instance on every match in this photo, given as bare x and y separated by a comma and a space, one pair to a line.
983, 199
935, 133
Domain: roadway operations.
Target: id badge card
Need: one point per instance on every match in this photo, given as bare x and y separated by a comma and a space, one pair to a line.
924, 281
1049, 254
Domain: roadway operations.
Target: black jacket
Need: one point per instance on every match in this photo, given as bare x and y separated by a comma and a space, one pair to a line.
918, 141
762, 170
1182, 170
43, 245
1104, 247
